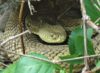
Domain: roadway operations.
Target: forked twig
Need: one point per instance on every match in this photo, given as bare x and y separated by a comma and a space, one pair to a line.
31, 7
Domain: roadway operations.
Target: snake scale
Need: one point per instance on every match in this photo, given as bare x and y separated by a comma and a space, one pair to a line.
30, 41
33, 44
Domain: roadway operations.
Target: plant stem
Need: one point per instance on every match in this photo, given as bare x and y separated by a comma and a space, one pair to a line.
83, 10
21, 24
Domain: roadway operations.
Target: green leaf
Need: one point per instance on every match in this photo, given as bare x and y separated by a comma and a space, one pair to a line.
10, 69
71, 41
79, 45
98, 64
31, 65
63, 71
91, 9
76, 41
1, 70
76, 44
71, 68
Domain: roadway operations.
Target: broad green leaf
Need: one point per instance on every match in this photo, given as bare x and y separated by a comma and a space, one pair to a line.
91, 9
76, 41
10, 69
26, 65
31, 65
76, 44
79, 46
72, 37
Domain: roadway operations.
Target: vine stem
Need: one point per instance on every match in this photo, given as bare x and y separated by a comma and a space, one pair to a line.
84, 18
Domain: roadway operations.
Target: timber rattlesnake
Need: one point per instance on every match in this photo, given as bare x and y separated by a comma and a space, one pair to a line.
32, 43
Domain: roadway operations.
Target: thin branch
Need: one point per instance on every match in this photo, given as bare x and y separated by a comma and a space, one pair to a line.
8, 51
95, 69
98, 1
78, 58
21, 24
97, 20
65, 11
93, 25
13, 37
83, 10
52, 61
96, 5
3, 64
31, 7
84, 70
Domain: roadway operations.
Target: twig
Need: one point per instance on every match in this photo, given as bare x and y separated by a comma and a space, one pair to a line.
3, 64
13, 37
96, 5
95, 27
98, 1
65, 11
85, 32
98, 19
84, 70
8, 51
21, 24
95, 69
78, 58
53, 61
31, 7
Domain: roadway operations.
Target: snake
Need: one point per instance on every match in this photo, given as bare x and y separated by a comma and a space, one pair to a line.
56, 34
32, 42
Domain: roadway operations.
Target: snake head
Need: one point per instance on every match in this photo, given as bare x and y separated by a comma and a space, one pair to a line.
52, 34
48, 33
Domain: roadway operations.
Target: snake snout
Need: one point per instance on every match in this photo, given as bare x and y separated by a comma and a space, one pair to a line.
58, 38
54, 37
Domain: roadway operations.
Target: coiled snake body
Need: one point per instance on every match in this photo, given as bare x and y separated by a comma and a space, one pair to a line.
31, 42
